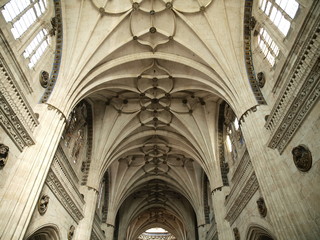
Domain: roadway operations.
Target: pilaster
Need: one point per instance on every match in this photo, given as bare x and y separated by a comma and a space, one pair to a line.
218, 199
21, 194
289, 215
84, 228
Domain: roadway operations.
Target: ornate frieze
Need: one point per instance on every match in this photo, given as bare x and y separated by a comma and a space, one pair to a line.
237, 200
243, 167
61, 181
16, 116
283, 130
300, 92
63, 196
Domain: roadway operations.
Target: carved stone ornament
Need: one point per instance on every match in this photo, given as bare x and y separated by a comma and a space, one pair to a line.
4, 152
54, 24
236, 234
262, 208
261, 79
253, 22
44, 79
43, 204
302, 158
71, 232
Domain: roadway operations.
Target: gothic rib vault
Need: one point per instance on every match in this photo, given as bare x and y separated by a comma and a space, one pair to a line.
153, 118
155, 71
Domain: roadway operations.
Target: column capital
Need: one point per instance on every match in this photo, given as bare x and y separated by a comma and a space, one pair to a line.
51, 107
216, 189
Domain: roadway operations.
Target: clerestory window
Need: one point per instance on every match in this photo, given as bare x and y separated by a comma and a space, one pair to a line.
36, 47
268, 47
280, 12
22, 14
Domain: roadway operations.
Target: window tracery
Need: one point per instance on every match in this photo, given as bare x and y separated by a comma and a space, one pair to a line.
22, 14
280, 12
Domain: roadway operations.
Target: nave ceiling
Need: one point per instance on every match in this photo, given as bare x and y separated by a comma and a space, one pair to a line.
155, 73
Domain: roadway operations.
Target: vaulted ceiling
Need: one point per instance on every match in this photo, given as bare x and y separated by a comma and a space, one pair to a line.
155, 72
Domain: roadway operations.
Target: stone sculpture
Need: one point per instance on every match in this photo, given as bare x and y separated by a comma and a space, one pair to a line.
43, 204
262, 208
4, 151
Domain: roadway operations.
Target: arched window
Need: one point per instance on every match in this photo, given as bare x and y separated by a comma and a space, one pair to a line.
36, 47
280, 12
268, 46
22, 14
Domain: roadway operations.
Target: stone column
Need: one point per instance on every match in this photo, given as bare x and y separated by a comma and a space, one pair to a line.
223, 227
84, 228
109, 226
21, 194
289, 214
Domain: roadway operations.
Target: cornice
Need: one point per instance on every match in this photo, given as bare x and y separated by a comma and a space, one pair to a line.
300, 92
241, 168
60, 192
16, 115
67, 169
61, 181
240, 199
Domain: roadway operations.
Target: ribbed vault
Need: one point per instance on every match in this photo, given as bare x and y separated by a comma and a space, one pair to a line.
155, 72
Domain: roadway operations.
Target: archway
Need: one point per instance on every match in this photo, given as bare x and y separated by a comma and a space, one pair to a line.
259, 233
45, 233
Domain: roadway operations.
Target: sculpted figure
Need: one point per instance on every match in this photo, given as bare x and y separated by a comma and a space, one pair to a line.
43, 204
44, 79
261, 79
71, 232
4, 151
262, 207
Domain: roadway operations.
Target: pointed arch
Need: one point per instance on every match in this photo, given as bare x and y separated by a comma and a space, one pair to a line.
256, 232
47, 232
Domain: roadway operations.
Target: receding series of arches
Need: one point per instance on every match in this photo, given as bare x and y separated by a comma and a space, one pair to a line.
51, 232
